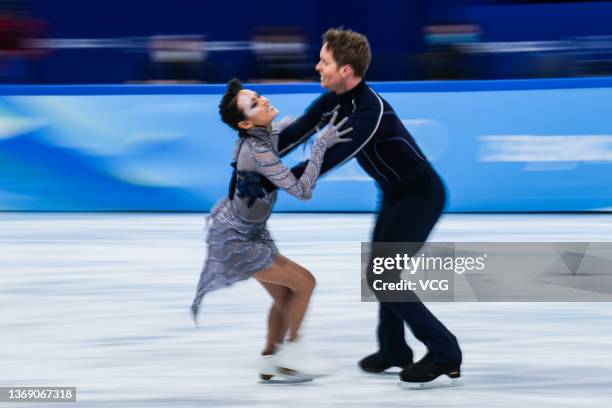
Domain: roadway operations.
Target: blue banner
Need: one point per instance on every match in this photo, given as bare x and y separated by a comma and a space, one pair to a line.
534, 145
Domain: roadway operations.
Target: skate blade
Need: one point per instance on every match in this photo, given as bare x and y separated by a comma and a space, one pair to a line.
383, 373
279, 379
290, 373
437, 383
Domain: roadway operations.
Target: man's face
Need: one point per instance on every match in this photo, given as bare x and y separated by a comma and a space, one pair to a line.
331, 74
256, 109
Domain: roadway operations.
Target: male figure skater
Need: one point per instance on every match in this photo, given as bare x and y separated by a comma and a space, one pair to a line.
413, 195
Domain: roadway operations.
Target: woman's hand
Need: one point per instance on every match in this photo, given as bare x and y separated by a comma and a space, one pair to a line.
332, 135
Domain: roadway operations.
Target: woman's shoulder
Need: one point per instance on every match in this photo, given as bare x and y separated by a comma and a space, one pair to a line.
259, 139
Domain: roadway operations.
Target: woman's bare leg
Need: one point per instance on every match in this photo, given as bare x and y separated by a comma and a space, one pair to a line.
296, 269
300, 282
278, 317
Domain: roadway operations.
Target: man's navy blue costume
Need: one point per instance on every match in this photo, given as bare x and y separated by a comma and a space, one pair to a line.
413, 199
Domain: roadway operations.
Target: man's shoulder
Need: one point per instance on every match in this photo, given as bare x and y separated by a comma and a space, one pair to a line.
324, 101
369, 99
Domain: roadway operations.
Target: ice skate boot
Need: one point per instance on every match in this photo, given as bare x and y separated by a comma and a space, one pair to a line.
270, 373
266, 368
293, 359
375, 364
427, 374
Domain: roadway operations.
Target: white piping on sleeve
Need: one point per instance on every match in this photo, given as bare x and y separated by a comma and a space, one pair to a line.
371, 135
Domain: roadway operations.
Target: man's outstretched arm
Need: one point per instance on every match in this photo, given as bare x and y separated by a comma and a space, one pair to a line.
365, 123
312, 120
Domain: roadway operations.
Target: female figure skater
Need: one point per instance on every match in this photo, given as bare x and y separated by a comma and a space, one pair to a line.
239, 244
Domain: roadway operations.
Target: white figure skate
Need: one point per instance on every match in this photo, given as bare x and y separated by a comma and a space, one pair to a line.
270, 373
293, 359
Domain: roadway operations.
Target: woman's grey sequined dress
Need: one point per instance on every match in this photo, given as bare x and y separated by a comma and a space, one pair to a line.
238, 240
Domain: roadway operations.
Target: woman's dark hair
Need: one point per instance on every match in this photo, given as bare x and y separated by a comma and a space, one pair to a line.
228, 107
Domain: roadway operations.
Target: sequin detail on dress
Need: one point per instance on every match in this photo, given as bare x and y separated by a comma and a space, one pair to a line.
239, 243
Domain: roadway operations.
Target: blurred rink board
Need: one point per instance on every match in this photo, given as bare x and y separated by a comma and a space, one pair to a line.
501, 146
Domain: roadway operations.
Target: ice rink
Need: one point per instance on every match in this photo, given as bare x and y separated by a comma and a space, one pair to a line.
100, 302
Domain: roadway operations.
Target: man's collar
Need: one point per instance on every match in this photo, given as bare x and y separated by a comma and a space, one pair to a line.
350, 94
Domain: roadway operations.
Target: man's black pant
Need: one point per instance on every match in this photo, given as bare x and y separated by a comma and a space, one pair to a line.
409, 216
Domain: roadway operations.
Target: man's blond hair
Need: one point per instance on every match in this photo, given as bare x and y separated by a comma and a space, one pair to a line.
349, 48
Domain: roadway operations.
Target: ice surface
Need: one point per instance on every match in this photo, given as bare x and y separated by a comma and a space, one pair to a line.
100, 302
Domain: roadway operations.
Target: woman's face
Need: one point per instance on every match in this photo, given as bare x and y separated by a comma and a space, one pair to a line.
256, 109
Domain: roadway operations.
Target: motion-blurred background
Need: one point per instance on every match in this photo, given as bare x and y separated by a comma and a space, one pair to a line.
508, 99
115, 41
